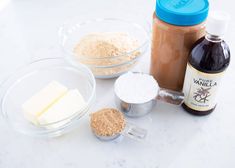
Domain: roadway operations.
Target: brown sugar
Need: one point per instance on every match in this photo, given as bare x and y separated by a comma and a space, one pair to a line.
107, 122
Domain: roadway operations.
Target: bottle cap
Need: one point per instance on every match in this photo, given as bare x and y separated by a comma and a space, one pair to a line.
217, 23
182, 12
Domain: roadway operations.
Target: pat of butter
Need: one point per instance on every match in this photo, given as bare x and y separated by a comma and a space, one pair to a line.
42, 100
71, 103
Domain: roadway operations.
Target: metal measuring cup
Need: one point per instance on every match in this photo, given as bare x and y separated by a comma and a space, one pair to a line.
140, 109
130, 131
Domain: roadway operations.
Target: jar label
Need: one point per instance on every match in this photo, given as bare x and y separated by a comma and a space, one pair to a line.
201, 89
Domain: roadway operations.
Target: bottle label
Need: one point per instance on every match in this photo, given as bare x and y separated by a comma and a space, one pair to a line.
201, 89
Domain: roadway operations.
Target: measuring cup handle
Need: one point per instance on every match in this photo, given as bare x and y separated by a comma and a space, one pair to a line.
134, 132
170, 96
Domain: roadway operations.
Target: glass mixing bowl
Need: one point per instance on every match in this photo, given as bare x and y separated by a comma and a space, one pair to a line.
106, 67
27, 81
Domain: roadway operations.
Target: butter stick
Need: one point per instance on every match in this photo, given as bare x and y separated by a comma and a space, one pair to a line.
42, 100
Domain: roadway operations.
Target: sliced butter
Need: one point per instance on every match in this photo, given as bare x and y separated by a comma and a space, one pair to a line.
71, 103
42, 100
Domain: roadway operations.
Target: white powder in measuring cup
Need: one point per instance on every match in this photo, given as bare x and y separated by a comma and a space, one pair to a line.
136, 87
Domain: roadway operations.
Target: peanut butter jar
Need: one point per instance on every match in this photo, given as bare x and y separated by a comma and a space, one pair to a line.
177, 25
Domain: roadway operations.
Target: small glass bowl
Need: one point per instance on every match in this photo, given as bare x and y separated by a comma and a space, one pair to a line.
106, 67
27, 81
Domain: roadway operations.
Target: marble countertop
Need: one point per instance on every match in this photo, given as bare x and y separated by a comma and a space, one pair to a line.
29, 31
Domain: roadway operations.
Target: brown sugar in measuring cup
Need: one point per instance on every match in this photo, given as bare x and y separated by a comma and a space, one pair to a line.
177, 25
109, 123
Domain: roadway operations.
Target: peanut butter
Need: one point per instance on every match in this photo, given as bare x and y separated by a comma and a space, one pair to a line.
170, 49
177, 25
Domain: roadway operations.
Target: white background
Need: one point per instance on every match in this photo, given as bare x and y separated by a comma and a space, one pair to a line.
28, 31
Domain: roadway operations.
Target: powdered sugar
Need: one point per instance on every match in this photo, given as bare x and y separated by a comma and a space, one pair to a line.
136, 87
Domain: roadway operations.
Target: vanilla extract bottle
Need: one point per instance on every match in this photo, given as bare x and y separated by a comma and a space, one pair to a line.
206, 65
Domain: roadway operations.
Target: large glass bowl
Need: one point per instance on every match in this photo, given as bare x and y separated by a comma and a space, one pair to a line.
106, 67
28, 80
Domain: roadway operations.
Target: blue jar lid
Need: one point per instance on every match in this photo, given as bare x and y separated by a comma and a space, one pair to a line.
182, 12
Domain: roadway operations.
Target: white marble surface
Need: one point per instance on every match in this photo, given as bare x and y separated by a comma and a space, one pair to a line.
28, 31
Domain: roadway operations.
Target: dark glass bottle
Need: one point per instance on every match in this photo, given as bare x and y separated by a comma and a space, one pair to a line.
207, 62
